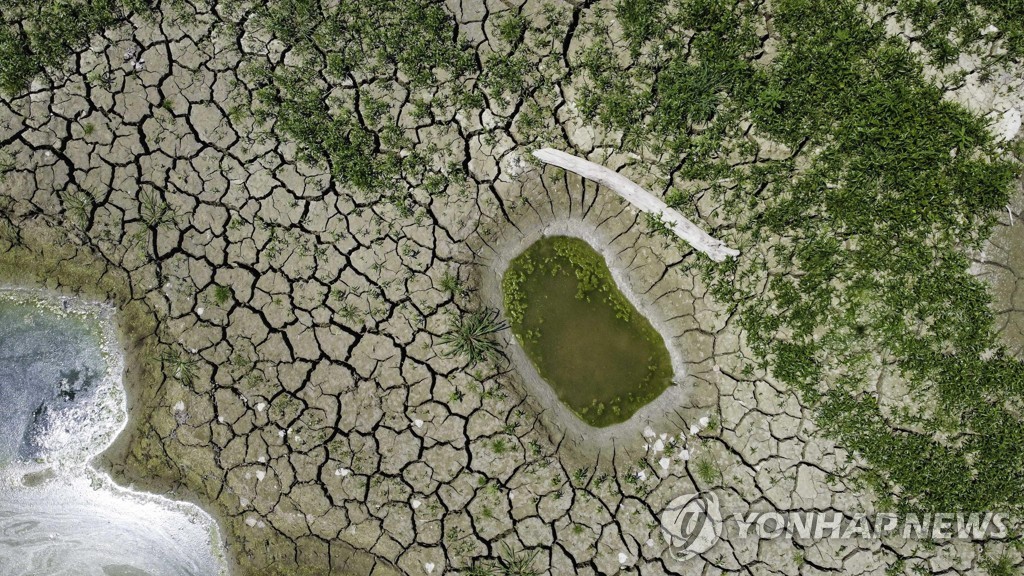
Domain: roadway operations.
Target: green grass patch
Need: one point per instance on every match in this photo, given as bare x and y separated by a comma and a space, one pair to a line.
864, 228
38, 36
338, 98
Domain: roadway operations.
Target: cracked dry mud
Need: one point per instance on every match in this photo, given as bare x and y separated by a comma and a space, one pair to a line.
323, 426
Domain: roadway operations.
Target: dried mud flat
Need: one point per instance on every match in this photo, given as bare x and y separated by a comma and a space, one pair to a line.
309, 408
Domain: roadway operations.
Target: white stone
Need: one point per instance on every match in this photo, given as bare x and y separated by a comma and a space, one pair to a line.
488, 120
623, 558
260, 475
417, 423
649, 432
694, 429
514, 165
179, 407
1007, 125
659, 446
429, 567
416, 504
704, 421
664, 462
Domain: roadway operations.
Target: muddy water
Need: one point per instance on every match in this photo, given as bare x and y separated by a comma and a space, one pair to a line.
61, 403
596, 350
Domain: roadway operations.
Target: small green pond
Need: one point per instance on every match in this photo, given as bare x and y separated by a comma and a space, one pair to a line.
602, 357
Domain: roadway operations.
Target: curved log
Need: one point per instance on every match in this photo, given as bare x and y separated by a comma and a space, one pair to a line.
641, 199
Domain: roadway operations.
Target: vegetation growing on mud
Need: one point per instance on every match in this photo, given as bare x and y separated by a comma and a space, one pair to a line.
38, 36
864, 221
863, 213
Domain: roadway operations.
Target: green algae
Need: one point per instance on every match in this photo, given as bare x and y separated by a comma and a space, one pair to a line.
600, 355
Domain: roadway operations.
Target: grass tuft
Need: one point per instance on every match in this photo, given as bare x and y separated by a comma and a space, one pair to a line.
472, 335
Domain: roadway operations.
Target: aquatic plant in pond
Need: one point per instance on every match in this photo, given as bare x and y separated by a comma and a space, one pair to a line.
600, 355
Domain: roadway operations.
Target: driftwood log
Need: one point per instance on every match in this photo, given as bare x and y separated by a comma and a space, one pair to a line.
641, 199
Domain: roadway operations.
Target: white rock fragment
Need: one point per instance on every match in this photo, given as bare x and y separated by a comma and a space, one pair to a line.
650, 543
641, 475
429, 567
415, 504
623, 558
1007, 125
649, 432
694, 429
514, 165
199, 311
659, 446
260, 475
261, 407
342, 472
704, 421
664, 462
990, 30
179, 407
488, 120
250, 522
684, 454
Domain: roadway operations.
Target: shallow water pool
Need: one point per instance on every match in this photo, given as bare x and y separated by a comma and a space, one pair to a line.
602, 357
